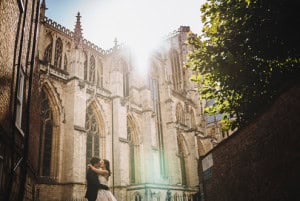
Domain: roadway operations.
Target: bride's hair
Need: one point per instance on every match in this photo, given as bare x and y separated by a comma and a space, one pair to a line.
106, 163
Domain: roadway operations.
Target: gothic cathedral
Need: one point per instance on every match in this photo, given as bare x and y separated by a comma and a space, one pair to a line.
93, 103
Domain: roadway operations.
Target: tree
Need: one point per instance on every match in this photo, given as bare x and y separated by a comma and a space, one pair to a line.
248, 51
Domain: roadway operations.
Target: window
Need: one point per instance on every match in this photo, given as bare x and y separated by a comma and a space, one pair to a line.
48, 54
176, 197
131, 154
182, 154
134, 151
65, 63
93, 135
85, 66
46, 126
125, 80
154, 86
20, 94
58, 53
176, 71
137, 197
100, 75
92, 69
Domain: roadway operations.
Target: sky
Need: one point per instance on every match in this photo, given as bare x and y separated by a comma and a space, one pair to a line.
127, 20
140, 24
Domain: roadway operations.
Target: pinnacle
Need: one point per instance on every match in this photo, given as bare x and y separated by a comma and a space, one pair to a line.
78, 30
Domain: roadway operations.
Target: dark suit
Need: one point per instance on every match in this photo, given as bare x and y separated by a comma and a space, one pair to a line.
93, 185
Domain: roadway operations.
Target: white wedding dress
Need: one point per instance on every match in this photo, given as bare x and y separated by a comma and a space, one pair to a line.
104, 195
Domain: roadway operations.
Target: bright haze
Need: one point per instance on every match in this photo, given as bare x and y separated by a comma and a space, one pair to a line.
140, 24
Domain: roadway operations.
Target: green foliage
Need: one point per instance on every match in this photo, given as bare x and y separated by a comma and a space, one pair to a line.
249, 49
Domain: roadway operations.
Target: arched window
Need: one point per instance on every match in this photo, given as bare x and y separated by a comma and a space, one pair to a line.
182, 154
100, 75
85, 67
58, 53
176, 71
176, 197
137, 197
93, 135
134, 171
179, 114
125, 79
65, 63
46, 129
92, 69
131, 155
154, 86
48, 53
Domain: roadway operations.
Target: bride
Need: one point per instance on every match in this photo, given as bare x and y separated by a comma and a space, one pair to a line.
103, 173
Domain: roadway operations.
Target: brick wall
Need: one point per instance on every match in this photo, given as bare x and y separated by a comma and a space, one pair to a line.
261, 161
10, 15
9, 12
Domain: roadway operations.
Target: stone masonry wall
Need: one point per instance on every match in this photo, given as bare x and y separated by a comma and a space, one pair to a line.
262, 161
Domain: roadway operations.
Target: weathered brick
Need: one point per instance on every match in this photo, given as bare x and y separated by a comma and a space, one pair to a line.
261, 161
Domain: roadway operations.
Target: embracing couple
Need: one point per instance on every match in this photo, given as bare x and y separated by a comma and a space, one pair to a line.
97, 180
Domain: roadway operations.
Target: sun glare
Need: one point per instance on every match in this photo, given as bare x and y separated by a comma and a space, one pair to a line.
139, 24
135, 24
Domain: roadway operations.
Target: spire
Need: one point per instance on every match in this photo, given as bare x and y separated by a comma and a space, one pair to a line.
78, 31
43, 9
43, 5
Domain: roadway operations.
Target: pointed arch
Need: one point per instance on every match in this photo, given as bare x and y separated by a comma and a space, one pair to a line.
95, 127
101, 114
134, 150
183, 153
131, 123
136, 196
53, 95
50, 118
58, 53
176, 197
47, 56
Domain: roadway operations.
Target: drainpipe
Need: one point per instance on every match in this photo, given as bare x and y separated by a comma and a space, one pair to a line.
32, 65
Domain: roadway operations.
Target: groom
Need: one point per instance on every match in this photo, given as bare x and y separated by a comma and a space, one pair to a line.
93, 184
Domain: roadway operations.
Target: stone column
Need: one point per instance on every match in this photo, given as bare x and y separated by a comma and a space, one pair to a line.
119, 130
75, 135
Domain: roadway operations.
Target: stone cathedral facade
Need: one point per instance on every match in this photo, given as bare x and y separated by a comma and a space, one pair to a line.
94, 103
